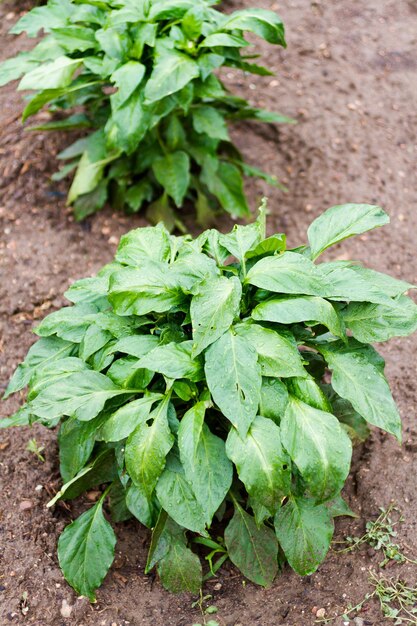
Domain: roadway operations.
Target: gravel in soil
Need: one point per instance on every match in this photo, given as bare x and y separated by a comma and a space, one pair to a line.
349, 78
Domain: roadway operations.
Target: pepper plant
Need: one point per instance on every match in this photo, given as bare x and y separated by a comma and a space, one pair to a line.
190, 379
137, 78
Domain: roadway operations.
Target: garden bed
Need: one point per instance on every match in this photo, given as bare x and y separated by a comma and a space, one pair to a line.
348, 76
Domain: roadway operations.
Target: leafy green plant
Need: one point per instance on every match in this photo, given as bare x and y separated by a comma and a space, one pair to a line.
397, 601
138, 77
380, 535
187, 378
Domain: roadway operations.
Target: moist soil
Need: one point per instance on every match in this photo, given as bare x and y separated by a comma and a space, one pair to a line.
349, 78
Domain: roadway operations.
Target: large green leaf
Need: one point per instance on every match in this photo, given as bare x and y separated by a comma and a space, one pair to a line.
213, 310
75, 38
357, 379
53, 75
55, 14
278, 355
294, 309
143, 244
76, 443
127, 78
343, 221
172, 171
319, 447
206, 466
177, 498
289, 273
174, 360
147, 449
180, 569
234, 379
129, 122
86, 551
225, 182
208, 120
378, 322
262, 464
304, 531
172, 71
138, 292
42, 352
253, 549
126, 419
262, 22
80, 394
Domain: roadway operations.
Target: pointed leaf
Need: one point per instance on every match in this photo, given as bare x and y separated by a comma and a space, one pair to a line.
319, 447
86, 551
234, 379
253, 550
262, 465
343, 221
304, 532
213, 310
206, 466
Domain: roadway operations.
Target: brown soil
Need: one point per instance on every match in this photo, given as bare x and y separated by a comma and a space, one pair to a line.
349, 77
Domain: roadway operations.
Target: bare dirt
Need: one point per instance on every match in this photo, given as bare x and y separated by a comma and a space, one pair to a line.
349, 76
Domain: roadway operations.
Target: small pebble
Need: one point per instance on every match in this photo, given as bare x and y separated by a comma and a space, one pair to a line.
66, 609
38, 487
321, 613
25, 505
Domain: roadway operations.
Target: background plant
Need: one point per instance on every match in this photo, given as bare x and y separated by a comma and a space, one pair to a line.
137, 76
187, 378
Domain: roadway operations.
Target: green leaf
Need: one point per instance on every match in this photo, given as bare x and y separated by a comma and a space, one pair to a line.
44, 351
343, 221
142, 244
213, 310
377, 322
76, 443
180, 569
208, 120
91, 167
80, 394
319, 447
357, 379
147, 448
140, 506
292, 310
53, 75
234, 379
278, 355
129, 122
264, 23
274, 399
304, 532
138, 292
242, 239
126, 419
338, 507
127, 78
225, 182
55, 14
75, 38
203, 456
262, 465
177, 498
253, 549
226, 40
172, 171
14, 68
86, 551
172, 71
289, 273
174, 360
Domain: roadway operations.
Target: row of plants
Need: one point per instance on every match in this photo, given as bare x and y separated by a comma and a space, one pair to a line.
188, 378
211, 387
137, 79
